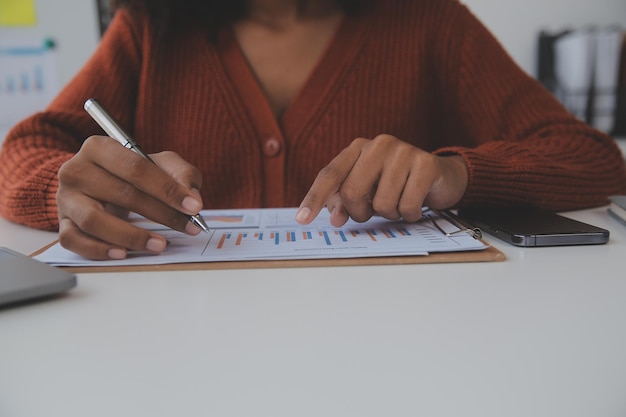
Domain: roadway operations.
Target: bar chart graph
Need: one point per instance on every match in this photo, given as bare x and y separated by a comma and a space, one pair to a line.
277, 236
325, 237
393, 238
28, 79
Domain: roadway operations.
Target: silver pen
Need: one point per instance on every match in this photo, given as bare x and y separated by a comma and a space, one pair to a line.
110, 126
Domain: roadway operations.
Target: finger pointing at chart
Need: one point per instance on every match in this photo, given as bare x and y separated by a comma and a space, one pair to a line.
387, 177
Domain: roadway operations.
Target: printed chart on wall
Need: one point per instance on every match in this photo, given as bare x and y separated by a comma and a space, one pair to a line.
273, 234
28, 78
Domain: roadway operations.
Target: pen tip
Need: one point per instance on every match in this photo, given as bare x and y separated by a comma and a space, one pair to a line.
199, 221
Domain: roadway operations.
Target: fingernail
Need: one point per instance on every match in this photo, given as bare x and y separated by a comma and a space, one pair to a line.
303, 214
116, 253
192, 205
156, 245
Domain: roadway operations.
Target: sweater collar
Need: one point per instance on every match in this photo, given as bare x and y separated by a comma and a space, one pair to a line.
317, 93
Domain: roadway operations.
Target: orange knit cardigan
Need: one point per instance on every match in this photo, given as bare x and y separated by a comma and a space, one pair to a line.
426, 71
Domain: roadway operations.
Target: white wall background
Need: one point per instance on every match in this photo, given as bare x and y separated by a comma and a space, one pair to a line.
73, 24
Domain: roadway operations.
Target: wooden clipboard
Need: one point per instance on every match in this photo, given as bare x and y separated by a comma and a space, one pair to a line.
490, 254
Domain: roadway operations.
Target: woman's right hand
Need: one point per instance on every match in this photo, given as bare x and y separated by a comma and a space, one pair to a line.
104, 181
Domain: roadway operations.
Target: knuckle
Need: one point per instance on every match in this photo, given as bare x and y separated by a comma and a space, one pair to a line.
384, 140
127, 193
189, 175
328, 173
361, 216
69, 173
90, 142
167, 154
133, 165
170, 189
424, 159
66, 238
64, 174
71, 238
350, 194
87, 220
410, 213
196, 176
382, 137
60, 199
359, 142
386, 208
94, 144
68, 241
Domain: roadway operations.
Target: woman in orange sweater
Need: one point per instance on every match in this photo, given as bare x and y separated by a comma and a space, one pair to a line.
365, 107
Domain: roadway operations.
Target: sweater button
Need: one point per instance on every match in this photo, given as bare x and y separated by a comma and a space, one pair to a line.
271, 147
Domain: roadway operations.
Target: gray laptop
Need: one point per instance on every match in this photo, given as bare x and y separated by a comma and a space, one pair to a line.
22, 278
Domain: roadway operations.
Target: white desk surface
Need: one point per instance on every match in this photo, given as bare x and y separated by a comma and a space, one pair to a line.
541, 334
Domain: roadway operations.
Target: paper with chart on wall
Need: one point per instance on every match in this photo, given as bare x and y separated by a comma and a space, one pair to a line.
573, 66
606, 76
28, 77
273, 234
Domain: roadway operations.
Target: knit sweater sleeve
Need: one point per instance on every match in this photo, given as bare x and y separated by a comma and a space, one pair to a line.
521, 146
35, 148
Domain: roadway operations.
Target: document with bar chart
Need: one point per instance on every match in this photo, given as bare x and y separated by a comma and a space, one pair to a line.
264, 234
28, 78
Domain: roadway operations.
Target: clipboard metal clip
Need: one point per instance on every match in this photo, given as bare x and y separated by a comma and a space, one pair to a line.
474, 232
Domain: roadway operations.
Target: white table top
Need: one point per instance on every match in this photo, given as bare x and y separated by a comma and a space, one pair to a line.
541, 334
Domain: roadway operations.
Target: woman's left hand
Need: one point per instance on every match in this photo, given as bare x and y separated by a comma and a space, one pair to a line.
387, 177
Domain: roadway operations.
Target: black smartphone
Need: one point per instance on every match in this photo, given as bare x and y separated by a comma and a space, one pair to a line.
527, 226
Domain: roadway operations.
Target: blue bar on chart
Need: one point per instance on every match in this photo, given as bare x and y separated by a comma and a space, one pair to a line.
341, 235
324, 234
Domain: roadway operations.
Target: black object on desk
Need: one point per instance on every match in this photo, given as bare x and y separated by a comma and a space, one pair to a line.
528, 226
